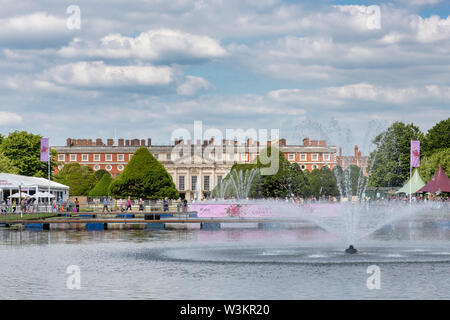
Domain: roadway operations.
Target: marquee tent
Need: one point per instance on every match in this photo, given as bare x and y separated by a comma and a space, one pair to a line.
439, 183
415, 184
13, 183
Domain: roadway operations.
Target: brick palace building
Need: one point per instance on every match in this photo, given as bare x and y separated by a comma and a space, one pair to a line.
208, 170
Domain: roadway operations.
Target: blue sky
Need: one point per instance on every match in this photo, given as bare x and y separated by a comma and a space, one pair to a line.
138, 69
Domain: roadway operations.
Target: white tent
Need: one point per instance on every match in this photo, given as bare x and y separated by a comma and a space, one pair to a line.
11, 183
41, 195
22, 195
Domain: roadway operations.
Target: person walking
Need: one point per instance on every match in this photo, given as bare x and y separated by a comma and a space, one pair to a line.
105, 205
141, 204
77, 204
166, 204
129, 203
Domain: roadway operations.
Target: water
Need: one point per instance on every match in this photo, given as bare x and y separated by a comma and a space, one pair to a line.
414, 259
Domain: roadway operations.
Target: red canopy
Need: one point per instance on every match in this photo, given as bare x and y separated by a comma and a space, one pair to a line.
440, 182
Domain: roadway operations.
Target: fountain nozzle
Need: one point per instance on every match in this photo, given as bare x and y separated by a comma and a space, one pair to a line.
351, 250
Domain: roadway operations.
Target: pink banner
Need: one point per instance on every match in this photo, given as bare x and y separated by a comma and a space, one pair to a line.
45, 150
415, 153
255, 210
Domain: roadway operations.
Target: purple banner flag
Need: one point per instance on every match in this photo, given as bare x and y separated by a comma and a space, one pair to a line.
415, 153
45, 150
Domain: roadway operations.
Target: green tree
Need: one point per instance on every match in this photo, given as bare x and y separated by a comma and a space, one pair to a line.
100, 173
390, 161
80, 179
144, 177
287, 181
6, 166
24, 151
437, 138
102, 187
429, 165
323, 183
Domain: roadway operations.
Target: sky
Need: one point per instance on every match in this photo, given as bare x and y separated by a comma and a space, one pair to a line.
145, 69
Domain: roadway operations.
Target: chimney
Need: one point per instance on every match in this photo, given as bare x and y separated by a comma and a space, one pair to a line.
322, 143
356, 150
314, 142
340, 151
121, 142
69, 142
142, 142
127, 143
149, 142
269, 143
282, 142
98, 142
306, 141
110, 142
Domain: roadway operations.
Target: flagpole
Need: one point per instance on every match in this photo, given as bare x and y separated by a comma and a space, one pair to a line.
410, 182
49, 180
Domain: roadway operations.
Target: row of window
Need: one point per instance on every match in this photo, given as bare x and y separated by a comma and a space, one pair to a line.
314, 157
206, 183
96, 157
219, 157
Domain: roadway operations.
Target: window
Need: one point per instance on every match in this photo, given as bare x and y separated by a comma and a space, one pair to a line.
84, 157
314, 166
61, 157
244, 157
326, 157
219, 179
120, 167
96, 167
73, 157
193, 182
303, 157
109, 167
181, 183
314, 157
60, 167
303, 167
120, 157
291, 156
96, 157
156, 155
108, 157
129, 157
206, 183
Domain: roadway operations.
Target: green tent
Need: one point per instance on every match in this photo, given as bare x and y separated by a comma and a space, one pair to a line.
416, 184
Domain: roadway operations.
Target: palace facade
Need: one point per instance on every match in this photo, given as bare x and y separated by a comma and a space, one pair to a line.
201, 165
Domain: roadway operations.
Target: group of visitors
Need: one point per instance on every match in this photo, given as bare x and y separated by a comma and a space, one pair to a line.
125, 205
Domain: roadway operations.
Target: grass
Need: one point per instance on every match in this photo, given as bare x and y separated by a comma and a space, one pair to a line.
26, 216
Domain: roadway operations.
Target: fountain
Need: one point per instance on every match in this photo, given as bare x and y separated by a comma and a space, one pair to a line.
353, 218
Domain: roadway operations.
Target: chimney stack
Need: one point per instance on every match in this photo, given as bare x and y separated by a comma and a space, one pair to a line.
110, 142
306, 141
121, 142
149, 142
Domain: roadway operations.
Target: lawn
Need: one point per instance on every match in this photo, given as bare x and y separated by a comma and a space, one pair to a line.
26, 216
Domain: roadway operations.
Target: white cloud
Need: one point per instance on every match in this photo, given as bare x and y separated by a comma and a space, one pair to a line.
152, 45
192, 85
98, 74
363, 92
34, 27
9, 118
